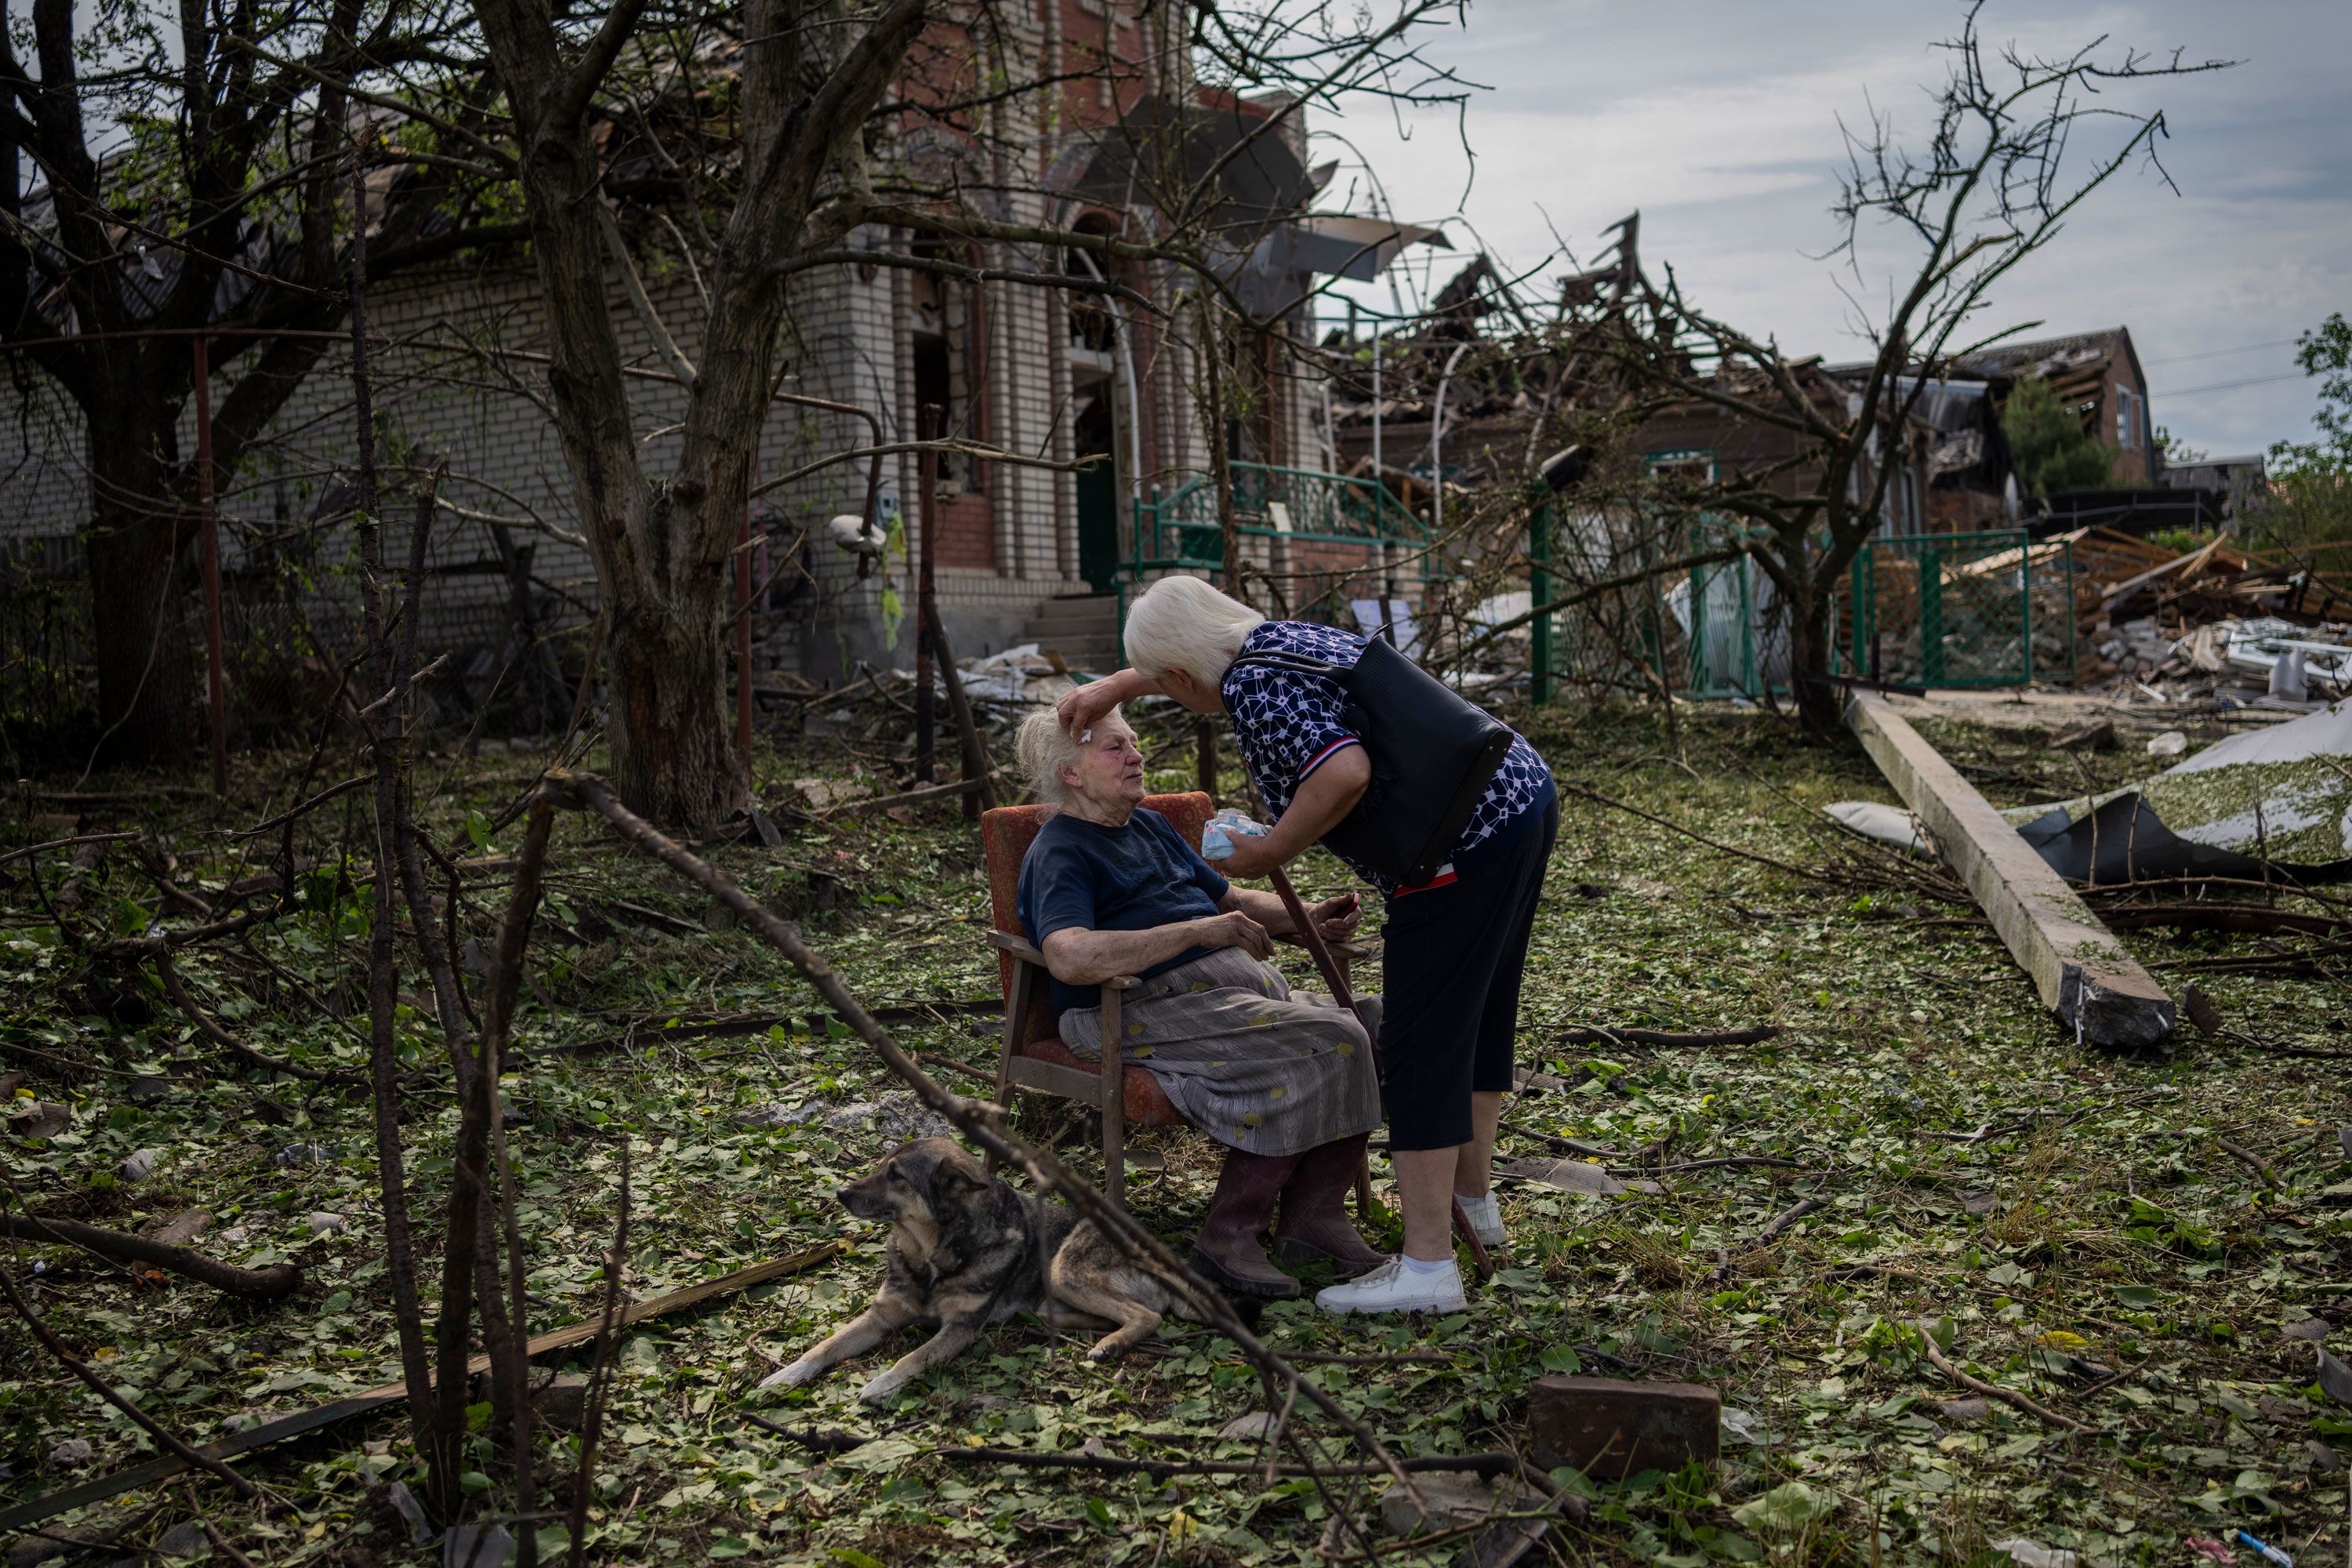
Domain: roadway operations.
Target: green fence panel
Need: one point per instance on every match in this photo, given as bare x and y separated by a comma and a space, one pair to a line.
1959, 610
1977, 610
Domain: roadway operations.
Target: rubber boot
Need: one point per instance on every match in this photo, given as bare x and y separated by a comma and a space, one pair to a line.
1228, 1253
1315, 1227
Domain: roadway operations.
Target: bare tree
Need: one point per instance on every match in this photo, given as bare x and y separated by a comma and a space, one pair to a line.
2020, 142
821, 98
186, 174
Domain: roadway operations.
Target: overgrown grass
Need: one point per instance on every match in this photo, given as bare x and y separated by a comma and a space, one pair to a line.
2066, 1224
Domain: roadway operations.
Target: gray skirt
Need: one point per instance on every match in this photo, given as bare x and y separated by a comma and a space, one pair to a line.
1247, 1062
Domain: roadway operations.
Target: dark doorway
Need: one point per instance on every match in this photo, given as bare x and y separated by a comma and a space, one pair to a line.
1097, 492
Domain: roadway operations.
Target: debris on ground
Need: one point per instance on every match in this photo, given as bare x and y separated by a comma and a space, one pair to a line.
2218, 622
1018, 677
894, 1117
2276, 801
1613, 1428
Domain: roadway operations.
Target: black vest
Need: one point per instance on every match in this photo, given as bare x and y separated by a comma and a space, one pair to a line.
1432, 751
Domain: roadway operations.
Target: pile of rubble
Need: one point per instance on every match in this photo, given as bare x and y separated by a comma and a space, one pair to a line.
2212, 623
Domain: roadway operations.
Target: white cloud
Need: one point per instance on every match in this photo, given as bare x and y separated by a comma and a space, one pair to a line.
1719, 120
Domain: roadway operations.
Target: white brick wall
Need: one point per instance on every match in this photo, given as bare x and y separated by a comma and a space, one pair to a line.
846, 338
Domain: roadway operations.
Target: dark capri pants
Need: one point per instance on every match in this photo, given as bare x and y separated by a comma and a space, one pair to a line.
1450, 962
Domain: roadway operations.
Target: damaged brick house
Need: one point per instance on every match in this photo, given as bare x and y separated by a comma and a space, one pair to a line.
2095, 375
1480, 389
1017, 367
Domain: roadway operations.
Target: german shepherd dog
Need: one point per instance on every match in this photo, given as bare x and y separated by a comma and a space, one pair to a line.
967, 1252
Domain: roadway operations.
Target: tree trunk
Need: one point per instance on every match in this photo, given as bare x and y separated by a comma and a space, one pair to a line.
674, 756
138, 639
1820, 707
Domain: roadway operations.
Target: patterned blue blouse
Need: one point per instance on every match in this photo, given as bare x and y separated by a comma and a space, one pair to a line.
1288, 724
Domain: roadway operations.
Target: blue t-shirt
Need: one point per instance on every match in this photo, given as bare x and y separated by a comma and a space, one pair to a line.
1081, 875
1287, 724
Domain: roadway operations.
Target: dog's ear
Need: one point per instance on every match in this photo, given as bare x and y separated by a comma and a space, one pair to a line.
958, 1177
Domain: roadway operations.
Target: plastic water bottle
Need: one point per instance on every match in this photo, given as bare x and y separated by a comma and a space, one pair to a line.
1217, 837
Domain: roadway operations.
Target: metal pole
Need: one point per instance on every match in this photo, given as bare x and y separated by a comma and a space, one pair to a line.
214, 695
928, 423
1437, 443
1540, 594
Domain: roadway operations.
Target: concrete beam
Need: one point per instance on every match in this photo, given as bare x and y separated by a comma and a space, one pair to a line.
2082, 972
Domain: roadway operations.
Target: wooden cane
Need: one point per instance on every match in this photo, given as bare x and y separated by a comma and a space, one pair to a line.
1345, 995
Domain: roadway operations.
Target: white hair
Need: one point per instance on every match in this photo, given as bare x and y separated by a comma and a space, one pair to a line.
1181, 622
1046, 748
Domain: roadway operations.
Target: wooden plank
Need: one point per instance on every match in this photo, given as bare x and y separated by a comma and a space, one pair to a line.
31, 1513
2080, 971
2186, 565
1054, 1077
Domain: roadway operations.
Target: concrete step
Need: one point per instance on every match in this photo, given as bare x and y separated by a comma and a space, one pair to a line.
1096, 654
1092, 642
1084, 631
1089, 613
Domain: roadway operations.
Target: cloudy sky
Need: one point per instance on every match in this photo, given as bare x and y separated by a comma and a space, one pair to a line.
1719, 120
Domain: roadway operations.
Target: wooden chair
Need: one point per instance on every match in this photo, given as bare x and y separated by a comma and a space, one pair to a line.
1034, 1057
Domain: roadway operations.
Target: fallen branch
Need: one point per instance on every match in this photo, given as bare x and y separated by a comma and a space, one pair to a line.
1597, 798
316, 801
1788, 1216
2290, 961
652, 1031
1564, 1145
2247, 1158
173, 988
270, 1284
106, 1391
2221, 916
64, 842
910, 797
2008, 1396
24, 1515
2275, 1047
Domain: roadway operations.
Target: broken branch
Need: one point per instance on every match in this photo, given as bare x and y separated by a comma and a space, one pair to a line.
270, 1284
2008, 1396
106, 1391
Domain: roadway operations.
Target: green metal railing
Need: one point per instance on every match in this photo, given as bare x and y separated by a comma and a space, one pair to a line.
1987, 609
1960, 610
1696, 635
1182, 530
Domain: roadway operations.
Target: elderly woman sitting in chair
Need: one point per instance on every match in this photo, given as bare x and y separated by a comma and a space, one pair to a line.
1289, 1085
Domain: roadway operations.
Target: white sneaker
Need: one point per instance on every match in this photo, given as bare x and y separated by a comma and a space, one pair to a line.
1390, 1289
1485, 1216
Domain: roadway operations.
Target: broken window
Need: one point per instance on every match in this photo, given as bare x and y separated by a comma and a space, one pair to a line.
948, 324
